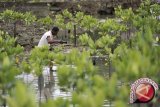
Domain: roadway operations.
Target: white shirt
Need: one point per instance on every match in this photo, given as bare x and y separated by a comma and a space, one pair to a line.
43, 41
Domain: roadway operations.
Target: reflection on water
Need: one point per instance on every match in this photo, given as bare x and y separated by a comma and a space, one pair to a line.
44, 92
44, 88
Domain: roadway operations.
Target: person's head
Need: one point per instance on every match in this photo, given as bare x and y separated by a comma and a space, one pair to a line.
55, 30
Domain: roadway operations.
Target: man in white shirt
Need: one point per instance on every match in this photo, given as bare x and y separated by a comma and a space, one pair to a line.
48, 39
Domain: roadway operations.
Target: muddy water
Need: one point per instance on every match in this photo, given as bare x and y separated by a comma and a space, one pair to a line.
50, 89
42, 93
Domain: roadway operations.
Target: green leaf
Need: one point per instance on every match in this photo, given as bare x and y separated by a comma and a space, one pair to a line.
6, 62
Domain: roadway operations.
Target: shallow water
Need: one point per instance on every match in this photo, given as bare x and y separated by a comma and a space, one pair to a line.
32, 81
55, 91
58, 92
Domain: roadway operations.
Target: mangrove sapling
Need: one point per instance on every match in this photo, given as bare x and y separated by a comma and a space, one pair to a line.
9, 63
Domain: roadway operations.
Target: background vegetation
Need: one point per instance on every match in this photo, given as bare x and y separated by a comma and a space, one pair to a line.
132, 58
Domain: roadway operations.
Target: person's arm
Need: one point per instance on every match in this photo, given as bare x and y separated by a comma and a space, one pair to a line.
50, 41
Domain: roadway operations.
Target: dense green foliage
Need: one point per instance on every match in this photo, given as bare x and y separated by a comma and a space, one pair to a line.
132, 59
